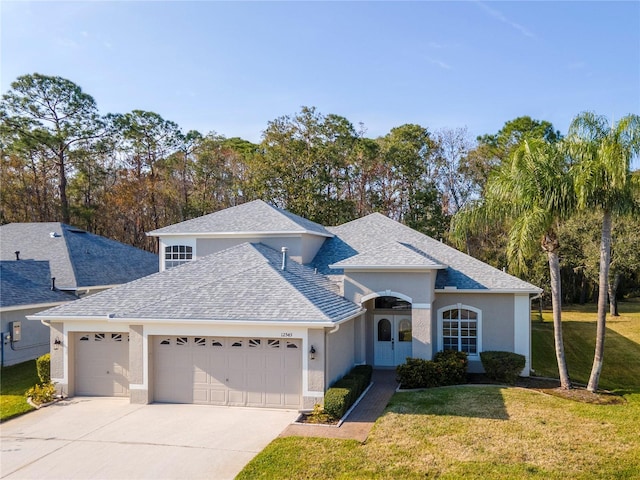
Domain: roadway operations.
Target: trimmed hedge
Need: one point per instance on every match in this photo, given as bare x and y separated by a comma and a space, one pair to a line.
336, 401
343, 393
502, 366
446, 368
43, 366
364, 370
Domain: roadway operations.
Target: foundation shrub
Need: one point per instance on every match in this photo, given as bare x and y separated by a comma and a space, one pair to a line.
360, 382
336, 401
502, 366
454, 366
447, 368
43, 367
366, 370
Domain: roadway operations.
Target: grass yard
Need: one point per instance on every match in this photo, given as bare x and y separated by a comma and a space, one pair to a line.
14, 381
479, 432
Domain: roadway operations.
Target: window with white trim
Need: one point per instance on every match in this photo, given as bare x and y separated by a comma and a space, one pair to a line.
459, 329
175, 255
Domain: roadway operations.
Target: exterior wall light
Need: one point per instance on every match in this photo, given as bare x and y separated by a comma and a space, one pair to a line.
57, 343
312, 353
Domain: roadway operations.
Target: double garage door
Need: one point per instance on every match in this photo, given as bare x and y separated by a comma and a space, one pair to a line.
258, 372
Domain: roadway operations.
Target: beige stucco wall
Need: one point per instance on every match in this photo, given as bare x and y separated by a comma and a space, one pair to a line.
301, 248
415, 285
340, 353
34, 339
497, 319
137, 391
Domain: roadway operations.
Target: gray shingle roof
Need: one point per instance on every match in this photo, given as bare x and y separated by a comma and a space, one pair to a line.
392, 254
256, 216
76, 258
28, 282
374, 231
242, 283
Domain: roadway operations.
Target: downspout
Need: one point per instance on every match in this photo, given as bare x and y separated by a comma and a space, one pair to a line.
531, 370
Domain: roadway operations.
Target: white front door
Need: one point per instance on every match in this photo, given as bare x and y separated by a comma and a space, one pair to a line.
392, 343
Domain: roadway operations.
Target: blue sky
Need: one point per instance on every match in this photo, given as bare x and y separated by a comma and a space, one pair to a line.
230, 67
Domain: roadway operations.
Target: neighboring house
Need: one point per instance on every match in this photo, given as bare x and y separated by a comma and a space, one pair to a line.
46, 264
255, 306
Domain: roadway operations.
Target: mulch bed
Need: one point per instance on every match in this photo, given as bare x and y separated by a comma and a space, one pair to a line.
551, 386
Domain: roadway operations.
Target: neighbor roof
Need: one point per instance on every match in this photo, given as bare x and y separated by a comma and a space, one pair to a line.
242, 283
253, 217
28, 282
369, 235
76, 258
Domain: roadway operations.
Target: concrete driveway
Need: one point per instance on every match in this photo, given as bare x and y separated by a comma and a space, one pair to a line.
108, 438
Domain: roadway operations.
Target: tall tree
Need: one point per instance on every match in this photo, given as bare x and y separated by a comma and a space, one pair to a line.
51, 115
602, 153
533, 190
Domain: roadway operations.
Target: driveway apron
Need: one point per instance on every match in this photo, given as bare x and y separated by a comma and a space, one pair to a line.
109, 438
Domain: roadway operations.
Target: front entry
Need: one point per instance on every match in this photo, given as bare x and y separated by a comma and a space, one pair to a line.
392, 343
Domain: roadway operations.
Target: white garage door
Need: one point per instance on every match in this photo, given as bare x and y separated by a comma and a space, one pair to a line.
257, 372
102, 364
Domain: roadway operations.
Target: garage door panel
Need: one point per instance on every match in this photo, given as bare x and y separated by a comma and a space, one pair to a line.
102, 364
229, 371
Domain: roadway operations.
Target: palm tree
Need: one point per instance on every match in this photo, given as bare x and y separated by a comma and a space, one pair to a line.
532, 190
602, 154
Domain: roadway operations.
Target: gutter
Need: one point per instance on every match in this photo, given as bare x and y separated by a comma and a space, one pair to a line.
138, 321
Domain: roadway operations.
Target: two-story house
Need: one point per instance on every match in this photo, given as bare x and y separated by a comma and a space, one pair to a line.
256, 306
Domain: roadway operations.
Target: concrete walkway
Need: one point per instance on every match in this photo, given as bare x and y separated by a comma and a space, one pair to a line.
360, 421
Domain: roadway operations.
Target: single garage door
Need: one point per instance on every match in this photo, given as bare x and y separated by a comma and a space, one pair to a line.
102, 364
257, 372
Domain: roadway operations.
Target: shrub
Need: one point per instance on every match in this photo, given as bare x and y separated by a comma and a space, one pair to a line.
336, 401
42, 393
359, 380
502, 366
419, 373
351, 385
454, 366
446, 368
43, 366
366, 370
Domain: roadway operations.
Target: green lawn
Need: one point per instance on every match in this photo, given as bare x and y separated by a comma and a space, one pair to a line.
14, 381
491, 431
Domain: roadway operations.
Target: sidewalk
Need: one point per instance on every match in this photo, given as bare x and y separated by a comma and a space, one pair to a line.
360, 421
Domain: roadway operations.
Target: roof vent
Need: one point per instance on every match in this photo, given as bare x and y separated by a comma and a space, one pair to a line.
17, 252
54, 235
53, 283
284, 258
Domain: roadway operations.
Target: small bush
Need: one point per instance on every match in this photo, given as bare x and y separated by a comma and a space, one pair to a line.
454, 366
419, 373
42, 393
366, 370
351, 385
336, 401
446, 368
502, 366
43, 366
359, 380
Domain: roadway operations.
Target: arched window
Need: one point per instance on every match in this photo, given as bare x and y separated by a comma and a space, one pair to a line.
175, 255
459, 329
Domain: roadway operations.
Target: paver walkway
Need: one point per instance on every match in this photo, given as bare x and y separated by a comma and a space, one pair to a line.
361, 419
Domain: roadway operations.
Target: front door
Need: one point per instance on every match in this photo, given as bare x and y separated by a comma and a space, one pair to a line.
392, 343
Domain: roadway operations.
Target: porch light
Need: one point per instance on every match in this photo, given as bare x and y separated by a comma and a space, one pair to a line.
57, 343
312, 353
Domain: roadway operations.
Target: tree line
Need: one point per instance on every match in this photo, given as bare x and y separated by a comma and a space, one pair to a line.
123, 174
